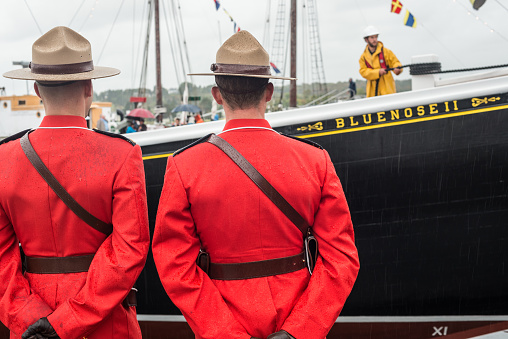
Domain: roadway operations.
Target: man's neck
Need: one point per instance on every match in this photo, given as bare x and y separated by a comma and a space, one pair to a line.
249, 113
64, 112
78, 109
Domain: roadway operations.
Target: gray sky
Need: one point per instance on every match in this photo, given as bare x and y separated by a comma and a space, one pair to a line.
451, 29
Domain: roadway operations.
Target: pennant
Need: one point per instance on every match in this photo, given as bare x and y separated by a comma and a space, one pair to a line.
217, 4
230, 17
276, 70
477, 3
396, 6
409, 20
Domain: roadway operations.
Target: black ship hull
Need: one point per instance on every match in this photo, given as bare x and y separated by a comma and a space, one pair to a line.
426, 178
427, 185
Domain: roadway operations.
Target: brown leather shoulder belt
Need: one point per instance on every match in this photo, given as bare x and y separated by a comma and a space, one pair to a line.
263, 268
75, 264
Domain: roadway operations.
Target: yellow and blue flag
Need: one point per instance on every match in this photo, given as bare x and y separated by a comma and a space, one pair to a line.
410, 20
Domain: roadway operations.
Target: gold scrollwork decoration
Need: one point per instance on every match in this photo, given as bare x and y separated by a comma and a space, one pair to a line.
478, 101
318, 126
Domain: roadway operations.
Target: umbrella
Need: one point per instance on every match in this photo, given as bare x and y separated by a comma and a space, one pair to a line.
140, 113
186, 108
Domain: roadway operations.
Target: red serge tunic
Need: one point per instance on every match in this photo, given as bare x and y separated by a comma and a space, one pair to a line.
207, 200
106, 176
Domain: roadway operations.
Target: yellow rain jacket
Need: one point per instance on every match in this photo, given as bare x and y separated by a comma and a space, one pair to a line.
384, 84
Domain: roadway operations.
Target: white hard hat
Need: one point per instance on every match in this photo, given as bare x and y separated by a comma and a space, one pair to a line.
370, 30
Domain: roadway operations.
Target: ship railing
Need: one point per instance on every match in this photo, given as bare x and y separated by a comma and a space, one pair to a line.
332, 96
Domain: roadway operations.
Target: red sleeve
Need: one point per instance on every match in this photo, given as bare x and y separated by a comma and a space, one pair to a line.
119, 260
19, 306
336, 269
175, 249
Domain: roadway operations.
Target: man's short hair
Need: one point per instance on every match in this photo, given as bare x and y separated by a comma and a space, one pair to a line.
241, 92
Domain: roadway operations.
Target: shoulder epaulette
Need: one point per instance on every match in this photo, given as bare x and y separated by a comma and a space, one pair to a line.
14, 136
312, 143
199, 141
114, 135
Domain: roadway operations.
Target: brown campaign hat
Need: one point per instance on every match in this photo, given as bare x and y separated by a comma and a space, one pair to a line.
61, 55
242, 55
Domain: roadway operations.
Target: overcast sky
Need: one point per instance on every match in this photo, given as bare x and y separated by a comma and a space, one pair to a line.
461, 36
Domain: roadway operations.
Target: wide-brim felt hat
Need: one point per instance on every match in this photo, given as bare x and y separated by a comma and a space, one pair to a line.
242, 55
61, 55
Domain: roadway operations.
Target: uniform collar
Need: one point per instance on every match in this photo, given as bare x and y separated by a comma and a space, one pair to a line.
63, 121
239, 123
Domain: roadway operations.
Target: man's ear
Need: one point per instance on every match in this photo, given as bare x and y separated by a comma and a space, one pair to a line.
217, 95
87, 85
269, 92
36, 88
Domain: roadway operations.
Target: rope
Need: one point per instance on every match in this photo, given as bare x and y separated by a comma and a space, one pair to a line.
435, 68
77, 11
40, 30
110, 30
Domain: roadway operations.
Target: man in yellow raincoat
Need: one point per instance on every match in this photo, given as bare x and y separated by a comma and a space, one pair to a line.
375, 61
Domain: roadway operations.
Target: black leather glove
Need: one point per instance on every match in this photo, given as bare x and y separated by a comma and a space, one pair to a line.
41, 329
280, 335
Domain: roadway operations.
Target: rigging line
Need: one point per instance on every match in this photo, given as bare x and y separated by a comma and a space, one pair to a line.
144, 66
139, 42
439, 41
88, 16
132, 43
500, 4
304, 43
485, 23
178, 39
179, 28
77, 11
171, 43
288, 44
266, 32
110, 30
40, 30
365, 22
220, 34
184, 39
320, 50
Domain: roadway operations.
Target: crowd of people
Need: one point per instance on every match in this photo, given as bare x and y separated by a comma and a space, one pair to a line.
136, 126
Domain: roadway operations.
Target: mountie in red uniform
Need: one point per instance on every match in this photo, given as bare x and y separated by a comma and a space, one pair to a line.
208, 201
103, 174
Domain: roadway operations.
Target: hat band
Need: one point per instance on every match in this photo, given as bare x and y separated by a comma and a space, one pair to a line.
80, 67
240, 69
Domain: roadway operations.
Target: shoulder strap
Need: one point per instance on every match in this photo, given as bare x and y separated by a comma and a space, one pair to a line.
82, 213
261, 182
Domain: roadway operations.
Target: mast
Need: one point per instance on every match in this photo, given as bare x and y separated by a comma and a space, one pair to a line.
158, 90
292, 85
